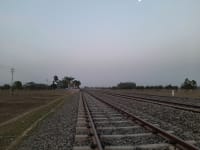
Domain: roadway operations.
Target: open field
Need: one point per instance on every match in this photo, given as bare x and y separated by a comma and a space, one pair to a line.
23, 111
164, 92
23, 101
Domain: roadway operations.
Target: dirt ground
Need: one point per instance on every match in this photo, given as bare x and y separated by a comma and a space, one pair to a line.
24, 100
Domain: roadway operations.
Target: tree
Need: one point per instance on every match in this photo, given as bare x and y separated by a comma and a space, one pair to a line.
55, 81
65, 82
189, 84
53, 86
17, 85
76, 83
68, 80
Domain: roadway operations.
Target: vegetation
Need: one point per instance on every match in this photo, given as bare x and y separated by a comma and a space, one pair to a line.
154, 87
140, 87
15, 129
5, 87
66, 82
171, 87
126, 85
17, 85
76, 83
55, 82
189, 84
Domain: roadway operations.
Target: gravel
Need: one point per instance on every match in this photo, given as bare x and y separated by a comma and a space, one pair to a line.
55, 132
184, 123
152, 139
129, 137
123, 131
183, 100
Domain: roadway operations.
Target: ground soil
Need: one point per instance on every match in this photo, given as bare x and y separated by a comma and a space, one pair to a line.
22, 101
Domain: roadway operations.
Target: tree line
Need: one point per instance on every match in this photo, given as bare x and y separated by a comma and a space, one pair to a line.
187, 84
66, 82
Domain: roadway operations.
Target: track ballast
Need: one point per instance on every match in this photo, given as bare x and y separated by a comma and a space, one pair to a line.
104, 124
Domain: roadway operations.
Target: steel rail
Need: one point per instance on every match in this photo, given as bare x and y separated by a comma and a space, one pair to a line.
186, 107
174, 140
152, 99
95, 136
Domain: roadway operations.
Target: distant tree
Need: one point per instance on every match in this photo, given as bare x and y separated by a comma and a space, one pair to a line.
55, 78
55, 81
171, 87
114, 87
17, 85
158, 87
5, 87
61, 84
189, 84
126, 85
147, 87
68, 81
168, 86
53, 86
140, 87
76, 83
65, 82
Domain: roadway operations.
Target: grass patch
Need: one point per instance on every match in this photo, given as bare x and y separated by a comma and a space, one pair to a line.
14, 131
23, 101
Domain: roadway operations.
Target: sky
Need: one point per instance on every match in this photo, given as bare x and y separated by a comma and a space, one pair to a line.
100, 42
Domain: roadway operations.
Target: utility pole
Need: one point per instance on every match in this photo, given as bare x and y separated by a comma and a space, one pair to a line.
47, 80
12, 70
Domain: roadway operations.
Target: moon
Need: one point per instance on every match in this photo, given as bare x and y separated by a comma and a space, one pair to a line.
139, 0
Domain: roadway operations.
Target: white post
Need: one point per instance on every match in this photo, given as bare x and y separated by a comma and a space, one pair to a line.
172, 92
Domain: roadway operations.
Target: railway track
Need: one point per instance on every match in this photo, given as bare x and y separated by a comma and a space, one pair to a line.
105, 125
181, 106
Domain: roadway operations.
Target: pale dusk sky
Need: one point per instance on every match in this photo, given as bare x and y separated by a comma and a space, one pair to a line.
100, 42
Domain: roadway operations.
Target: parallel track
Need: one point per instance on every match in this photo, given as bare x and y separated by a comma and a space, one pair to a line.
103, 116
181, 106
